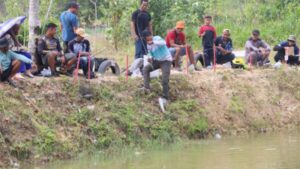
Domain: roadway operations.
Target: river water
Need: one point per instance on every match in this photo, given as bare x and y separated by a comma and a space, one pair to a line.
280, 151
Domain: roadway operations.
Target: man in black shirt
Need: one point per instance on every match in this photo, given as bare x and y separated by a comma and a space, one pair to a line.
224, 48
140, 21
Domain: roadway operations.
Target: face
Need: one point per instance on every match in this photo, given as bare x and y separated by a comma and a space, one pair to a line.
291, 43
255, 36
149, 40
207, 21
226, 35
179, 30
16, 29
144, 6
51, 31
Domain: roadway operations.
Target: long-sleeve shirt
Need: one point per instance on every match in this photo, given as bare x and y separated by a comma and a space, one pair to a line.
8, 57
159, 50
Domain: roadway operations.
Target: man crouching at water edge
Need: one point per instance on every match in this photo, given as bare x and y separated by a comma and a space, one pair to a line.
159, 57
10, 62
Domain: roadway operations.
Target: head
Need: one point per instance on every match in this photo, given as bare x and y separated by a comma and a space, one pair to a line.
226, 34
15, 29
51, 29
144, 5
292, 40
148, 37
180, 25
4, 44
207, 19
255, 34
73, 7
80, 32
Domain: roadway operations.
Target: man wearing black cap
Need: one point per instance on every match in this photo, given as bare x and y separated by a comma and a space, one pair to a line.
69, 24
10, 62
257, 50
287, 48
140, 21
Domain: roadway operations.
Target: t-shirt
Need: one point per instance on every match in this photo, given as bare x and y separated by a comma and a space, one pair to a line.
76, 46
179, 38
227, 45
252, 45
209, 37
68, 20
46, 45
141, 21
6, 59
159, 50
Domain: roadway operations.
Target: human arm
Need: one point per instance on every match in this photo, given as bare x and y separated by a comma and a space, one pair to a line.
20, 57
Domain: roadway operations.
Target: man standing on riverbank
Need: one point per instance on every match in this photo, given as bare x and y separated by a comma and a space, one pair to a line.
69, 24
140, 21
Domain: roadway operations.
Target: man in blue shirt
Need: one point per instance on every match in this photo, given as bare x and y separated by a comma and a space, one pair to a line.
10, 62
224, 48
292, 50
160, 58
69, 24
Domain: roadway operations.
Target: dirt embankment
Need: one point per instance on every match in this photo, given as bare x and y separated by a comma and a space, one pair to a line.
50, 119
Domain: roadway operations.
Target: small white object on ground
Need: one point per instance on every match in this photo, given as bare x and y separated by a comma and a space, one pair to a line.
218, 136
277, 65
155, 74
46, 72
191, 68
162, 102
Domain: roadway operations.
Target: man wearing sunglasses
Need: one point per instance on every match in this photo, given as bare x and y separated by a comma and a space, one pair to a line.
257, 50
287, 48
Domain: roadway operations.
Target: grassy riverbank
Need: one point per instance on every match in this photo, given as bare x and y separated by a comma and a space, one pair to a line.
50, 119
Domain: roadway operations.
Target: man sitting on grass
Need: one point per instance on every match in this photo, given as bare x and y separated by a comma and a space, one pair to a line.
287, 48
160, 57
10, 62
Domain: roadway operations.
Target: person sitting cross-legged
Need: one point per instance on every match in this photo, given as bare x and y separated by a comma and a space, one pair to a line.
292, 50
80, 47
224, 48
10, 62
160, 58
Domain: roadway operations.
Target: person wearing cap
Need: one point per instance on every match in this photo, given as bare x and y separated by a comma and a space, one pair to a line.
49, 49
176, 42
224, 47
288, 48
10, 62
208, 34
257, 50
140, 21
80, 47
69, 23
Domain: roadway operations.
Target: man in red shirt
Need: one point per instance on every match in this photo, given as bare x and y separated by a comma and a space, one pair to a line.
208, 34
176, 43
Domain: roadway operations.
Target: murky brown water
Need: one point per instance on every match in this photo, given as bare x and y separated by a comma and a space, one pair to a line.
280, 151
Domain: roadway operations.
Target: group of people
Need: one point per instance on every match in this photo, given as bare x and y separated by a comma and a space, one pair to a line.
76, 52
165, 53
162, 53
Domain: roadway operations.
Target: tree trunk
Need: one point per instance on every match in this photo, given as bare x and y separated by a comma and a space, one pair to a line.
33, 23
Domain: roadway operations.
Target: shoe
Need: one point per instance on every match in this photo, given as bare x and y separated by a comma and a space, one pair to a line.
12, 83
54, 74
162, 102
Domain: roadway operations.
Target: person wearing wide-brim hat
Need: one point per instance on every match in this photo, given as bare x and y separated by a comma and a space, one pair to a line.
287, 48
80, 47
10, 62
